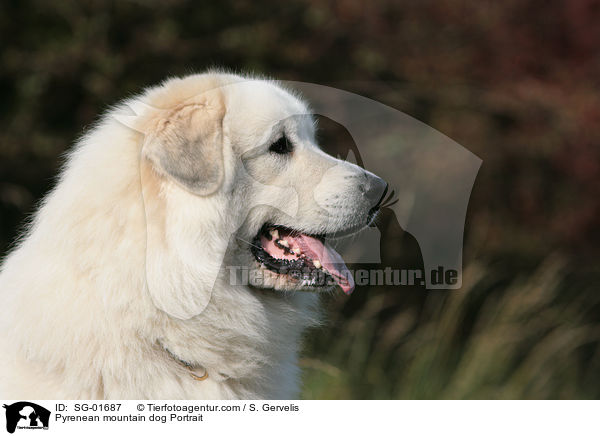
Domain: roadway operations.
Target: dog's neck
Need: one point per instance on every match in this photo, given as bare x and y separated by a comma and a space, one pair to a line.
245, 339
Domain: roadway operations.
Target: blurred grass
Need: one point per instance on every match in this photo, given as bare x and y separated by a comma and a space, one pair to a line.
513, 345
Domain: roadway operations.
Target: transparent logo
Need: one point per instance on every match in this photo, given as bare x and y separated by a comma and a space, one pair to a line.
429, 181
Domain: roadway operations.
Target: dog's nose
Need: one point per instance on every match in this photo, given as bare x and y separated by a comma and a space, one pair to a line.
375, 190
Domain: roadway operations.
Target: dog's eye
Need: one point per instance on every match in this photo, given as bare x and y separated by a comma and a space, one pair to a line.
281, 146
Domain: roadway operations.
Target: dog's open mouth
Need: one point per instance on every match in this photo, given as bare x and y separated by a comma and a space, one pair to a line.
303, 257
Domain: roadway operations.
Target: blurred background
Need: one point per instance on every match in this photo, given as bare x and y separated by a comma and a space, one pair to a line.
516, 82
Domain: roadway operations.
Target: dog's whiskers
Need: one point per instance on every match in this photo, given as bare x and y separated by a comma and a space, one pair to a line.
389, 200
249, 243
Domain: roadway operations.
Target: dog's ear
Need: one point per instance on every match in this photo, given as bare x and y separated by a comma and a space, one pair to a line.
186, 143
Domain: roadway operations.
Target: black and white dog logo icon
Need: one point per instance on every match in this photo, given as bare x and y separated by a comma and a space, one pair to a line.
26, 415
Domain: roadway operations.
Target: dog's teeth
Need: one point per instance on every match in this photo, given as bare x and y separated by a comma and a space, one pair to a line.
317, 264
284, 243
297, 251
274, 233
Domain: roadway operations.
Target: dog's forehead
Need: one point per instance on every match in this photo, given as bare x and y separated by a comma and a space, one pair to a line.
257, 104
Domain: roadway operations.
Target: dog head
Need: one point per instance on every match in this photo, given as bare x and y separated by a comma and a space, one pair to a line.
232, 175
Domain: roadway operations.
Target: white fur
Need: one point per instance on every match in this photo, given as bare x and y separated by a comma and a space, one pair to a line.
120, 261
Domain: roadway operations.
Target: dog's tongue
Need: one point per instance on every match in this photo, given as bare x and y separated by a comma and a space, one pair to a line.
330, 259
312, 250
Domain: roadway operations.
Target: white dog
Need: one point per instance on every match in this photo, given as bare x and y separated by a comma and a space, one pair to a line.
123, 287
